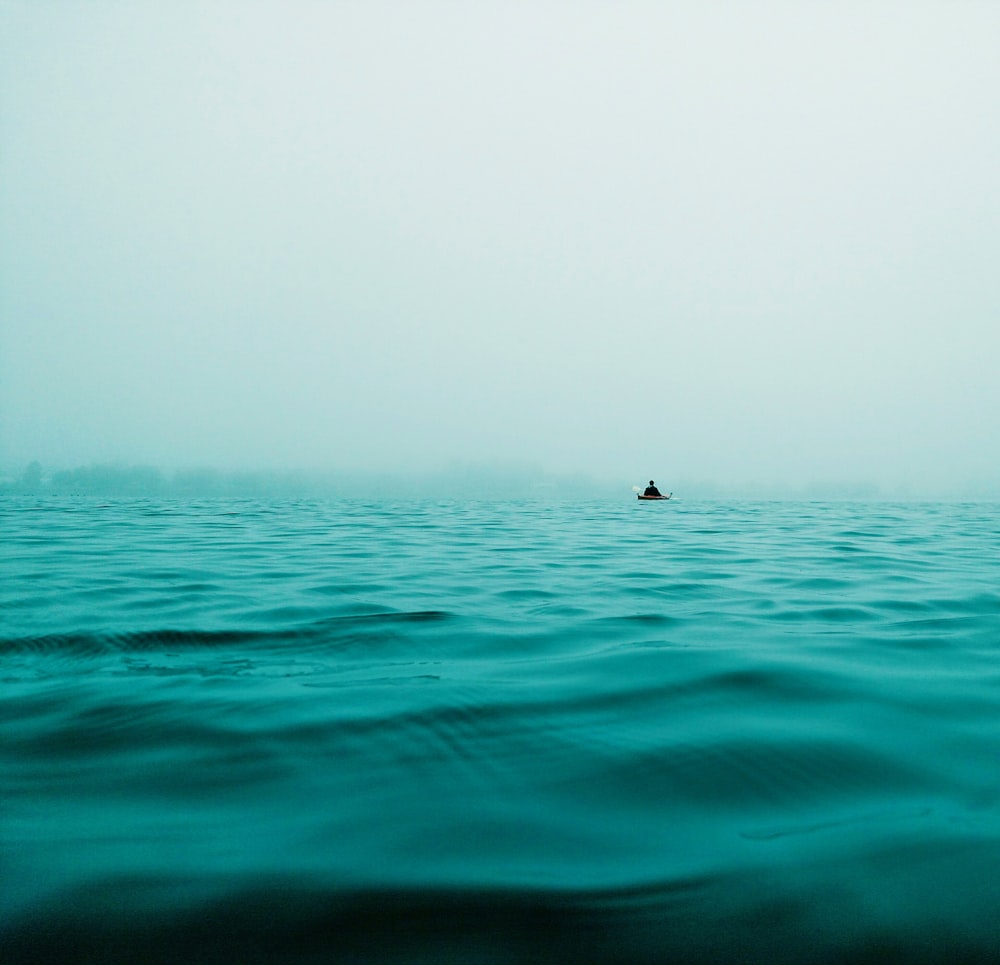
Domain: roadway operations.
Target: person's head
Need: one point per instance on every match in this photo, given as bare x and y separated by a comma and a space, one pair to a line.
651, 483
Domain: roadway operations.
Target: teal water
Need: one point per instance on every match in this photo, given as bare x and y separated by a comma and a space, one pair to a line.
308, 731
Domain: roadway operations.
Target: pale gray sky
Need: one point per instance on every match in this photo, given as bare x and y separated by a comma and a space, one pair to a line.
732, 242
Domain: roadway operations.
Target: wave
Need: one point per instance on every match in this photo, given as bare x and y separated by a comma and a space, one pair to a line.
360, 732
834, 913
139, 641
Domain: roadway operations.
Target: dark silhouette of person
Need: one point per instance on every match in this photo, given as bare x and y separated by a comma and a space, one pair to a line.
651, 489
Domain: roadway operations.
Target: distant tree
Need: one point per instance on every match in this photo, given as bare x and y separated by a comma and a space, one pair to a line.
31, 478
110, 481
197, 482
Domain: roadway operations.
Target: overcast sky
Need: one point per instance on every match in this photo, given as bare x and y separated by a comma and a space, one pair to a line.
727, 242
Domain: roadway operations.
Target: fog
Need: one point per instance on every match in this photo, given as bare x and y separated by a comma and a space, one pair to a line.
723, 245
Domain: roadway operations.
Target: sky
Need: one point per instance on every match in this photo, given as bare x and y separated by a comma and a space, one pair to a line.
723, 244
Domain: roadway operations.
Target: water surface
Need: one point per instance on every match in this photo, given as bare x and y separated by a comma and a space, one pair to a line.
516, 731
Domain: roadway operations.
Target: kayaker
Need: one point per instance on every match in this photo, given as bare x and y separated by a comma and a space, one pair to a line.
651, 490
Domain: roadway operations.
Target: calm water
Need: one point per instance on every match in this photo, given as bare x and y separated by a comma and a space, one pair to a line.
312, 731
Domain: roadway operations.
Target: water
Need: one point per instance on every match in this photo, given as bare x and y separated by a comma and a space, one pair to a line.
306, 731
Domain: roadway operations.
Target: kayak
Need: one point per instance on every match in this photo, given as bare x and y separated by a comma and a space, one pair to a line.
640, 496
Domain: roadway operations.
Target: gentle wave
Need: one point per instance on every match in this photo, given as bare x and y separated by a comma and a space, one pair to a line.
516, 731
330, 628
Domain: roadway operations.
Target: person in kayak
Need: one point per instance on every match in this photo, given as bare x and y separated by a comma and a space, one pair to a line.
651, 490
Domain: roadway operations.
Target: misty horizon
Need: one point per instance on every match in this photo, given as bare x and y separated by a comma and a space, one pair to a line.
454, 481
739, 250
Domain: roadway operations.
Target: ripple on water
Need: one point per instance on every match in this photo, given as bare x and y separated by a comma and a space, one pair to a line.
515, 730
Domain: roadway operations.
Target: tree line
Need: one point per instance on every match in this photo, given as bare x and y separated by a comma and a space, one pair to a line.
117, 480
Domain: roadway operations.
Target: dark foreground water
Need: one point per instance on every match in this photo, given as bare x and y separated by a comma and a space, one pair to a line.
250, 731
